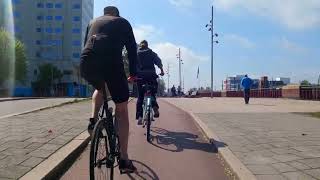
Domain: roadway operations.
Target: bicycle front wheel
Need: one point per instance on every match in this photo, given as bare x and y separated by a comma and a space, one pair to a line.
101, 167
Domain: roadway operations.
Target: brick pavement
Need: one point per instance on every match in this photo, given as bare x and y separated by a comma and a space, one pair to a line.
269, 140
25, 140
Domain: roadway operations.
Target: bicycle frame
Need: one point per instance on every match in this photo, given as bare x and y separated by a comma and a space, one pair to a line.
147, 102
111, 125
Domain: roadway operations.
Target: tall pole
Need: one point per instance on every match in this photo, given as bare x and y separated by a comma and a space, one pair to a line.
168, 73
212, 52
183, 84
179, 68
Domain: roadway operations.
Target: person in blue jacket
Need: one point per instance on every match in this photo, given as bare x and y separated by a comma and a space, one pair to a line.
246, 83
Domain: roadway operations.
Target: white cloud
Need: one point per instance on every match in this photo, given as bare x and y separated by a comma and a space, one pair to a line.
239, 41
295, 14
181, 3
191, 60
168, 51
145, 32
291, 46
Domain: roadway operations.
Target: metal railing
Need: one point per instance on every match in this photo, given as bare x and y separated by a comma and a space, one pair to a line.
310, 92
258, 93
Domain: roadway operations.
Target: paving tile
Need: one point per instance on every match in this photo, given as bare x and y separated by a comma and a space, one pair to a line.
314, 173
297, 176
262, 170
32, 162
283, 167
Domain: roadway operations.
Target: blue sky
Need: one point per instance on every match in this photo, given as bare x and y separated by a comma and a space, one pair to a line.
273, 38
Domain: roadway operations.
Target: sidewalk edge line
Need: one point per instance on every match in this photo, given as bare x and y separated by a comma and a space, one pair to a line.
20, 98
55, 164
44, 108
241, 171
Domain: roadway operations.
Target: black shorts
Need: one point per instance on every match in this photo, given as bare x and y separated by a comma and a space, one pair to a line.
113, 75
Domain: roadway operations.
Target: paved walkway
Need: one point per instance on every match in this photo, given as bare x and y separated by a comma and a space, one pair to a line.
8, 108
269, 140
27, 140
178, 151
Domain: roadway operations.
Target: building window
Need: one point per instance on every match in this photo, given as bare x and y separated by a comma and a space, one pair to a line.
40, 5
17, 29
16, 1
38, 42
38, 29
16, 14
49, 18
58, 18
35, 72
38, 54
76, 18
58, 30
76, 31
76, 43
58, 5
49, 30
76, 55
39, 18
56, 42
49, 5
76, 6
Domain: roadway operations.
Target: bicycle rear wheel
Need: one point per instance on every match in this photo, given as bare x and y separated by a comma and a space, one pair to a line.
148, 125
100, 165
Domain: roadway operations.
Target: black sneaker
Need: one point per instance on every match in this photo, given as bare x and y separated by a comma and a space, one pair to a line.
92, 123
156, 112
126, 167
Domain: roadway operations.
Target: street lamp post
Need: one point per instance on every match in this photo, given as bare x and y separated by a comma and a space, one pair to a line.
210, 25
168, 73
179, 59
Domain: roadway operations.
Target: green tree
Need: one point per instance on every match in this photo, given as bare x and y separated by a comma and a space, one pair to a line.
48, 73
21, 62
12, 50
125, 61
305, 83
161, 87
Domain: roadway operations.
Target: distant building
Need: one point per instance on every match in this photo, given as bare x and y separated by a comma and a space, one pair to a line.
53, 32
233, 83
285, 81
255, 84
264, 82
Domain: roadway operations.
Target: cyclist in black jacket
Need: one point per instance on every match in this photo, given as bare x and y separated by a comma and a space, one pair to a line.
146, 69
101, 63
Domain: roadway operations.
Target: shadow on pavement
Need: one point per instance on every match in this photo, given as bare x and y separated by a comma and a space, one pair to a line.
261, 105
144, 172
178, 141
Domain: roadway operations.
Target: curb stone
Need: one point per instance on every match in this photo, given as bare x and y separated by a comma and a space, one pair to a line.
58, 163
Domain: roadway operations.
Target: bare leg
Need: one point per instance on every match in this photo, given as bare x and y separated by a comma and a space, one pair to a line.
123, 118
97, 101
